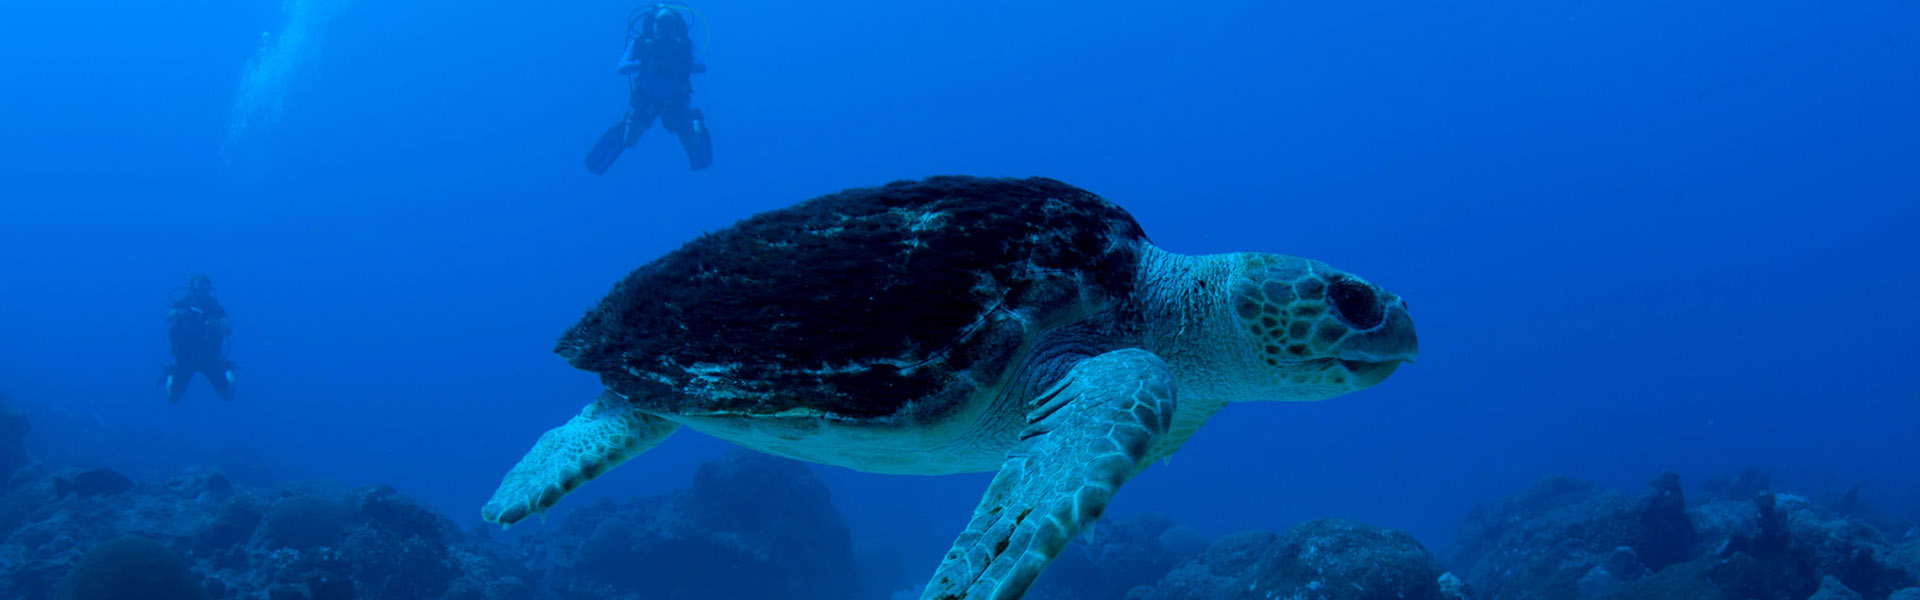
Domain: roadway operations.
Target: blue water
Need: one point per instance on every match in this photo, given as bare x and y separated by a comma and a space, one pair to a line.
1636, 236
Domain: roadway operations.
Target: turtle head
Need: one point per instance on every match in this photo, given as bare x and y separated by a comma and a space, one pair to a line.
1312, 331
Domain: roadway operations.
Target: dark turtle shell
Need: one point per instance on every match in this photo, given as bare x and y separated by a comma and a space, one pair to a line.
857, 303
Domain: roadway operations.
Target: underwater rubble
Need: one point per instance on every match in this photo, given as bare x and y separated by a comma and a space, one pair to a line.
1571, 540
1116, 556
754, 526
13, 435
749, 526
76, 535
1327, 559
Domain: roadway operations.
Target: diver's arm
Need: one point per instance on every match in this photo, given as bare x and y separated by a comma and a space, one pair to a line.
630, 60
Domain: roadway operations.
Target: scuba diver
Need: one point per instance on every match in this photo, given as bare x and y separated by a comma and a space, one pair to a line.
198, 332
658, 63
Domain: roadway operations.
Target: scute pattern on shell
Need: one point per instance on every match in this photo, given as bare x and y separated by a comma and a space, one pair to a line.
854, 303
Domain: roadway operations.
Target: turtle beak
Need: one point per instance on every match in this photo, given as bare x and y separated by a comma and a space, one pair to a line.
1369, 374
1374, 354
1392, 341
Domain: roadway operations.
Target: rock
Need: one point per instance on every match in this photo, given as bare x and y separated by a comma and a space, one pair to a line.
1846, 547
210, 483
1781, 547
1868, 507
1452, 588
1113, 557
750, 526
224, 538
301, 522
1832, 589
1625, 564
1542, 542
13, 442
489, 571
1608, 577
97, 482
1550, 542
1763, 563
1684, 581
310, 542
1598, 583
397, 564
1328, 559
382, 508
1721, 519
1912, 593
1865, 559
1766, 565
1666, 535
131, 567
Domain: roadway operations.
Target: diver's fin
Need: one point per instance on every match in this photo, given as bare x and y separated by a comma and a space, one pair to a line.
700, 154
608, 148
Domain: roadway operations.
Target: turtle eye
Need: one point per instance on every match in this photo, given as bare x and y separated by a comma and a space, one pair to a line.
1356, 302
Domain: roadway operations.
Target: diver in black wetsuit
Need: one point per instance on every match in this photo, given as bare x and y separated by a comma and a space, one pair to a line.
659, 64
197, 329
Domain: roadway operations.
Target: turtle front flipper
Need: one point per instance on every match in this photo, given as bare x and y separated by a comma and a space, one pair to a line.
604, 434
1090, 433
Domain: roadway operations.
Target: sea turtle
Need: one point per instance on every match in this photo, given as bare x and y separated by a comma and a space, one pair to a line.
951, 325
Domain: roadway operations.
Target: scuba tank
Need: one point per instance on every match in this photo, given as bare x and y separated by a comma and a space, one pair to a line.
191, 331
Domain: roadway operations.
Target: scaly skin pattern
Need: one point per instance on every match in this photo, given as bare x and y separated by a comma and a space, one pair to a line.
1223, 328
604, 434
1224, 323
1091, 433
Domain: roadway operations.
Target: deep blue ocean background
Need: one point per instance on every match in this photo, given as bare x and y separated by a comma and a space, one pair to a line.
1636, 236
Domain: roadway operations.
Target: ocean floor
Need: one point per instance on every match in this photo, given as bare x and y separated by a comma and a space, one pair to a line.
753, 526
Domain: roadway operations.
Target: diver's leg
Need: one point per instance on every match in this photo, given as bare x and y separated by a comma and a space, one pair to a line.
641, 111
690, 126
220, 376
621, 135
177, 378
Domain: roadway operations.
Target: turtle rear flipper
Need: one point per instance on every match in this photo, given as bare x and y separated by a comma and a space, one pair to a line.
1091, 432
604, 434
